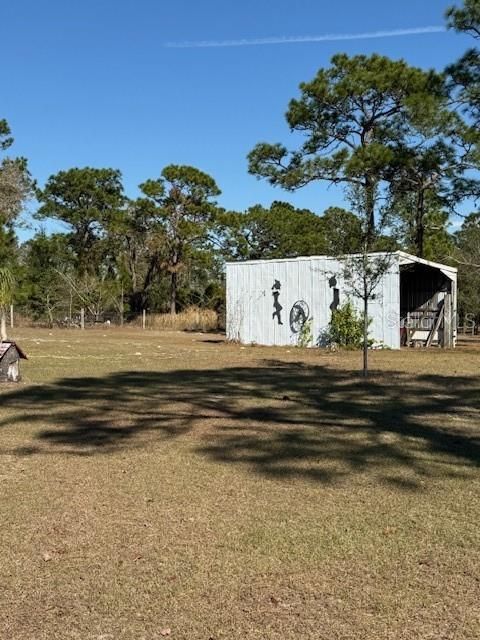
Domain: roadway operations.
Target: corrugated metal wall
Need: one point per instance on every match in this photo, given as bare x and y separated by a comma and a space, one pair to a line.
264, 297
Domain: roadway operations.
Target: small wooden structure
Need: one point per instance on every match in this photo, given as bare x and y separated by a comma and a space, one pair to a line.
10, 356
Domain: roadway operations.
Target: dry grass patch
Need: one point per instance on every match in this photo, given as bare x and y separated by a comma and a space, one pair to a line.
166, 481
191, 319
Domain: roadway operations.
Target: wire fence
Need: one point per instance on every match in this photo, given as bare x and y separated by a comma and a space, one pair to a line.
468, 329
191, 319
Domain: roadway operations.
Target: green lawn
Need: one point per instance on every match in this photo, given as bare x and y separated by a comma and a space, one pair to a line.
171, 485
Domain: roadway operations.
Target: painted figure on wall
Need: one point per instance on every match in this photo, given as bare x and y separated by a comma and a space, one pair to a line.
276, 303
299, 314
336, 294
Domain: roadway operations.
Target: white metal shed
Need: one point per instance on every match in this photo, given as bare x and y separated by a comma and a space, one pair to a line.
269, 300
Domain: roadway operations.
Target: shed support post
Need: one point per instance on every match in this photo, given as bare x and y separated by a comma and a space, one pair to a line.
11, 316
144, 319
447, 322
82, 318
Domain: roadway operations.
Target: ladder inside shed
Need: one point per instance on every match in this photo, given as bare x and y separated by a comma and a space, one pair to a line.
436, 325
421, 322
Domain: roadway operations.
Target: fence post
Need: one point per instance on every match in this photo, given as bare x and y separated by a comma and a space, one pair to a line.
144, 318
82, 318
11, 316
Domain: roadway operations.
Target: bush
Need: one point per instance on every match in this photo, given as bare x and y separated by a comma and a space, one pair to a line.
305, 336
346, 327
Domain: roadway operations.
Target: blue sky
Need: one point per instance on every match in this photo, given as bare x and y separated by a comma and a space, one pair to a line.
92, 82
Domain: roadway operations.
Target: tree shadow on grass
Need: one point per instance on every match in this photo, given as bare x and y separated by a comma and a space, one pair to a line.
281, 419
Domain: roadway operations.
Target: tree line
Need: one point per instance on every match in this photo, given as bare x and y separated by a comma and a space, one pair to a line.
401, 141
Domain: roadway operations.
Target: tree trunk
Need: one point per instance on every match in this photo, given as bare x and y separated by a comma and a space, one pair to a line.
370, 210
3, 324
137, 300
420, 225
173, 293
133, 268
365, 336
122, 306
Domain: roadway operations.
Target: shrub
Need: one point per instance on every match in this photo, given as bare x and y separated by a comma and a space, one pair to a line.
346, 327
305, 336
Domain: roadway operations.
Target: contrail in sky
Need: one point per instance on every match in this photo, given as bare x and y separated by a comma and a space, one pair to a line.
328, 37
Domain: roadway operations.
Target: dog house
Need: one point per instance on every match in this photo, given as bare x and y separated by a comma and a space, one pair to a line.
269, 301
10, 356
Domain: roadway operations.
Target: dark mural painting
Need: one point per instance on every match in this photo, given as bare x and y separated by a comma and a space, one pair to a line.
299, 314
277, 313
336, 293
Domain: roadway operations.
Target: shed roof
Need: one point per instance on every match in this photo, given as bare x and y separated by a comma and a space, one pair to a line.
6, 346
407, 258
404, 258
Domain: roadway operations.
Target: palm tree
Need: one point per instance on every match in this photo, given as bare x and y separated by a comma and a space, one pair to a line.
7, 284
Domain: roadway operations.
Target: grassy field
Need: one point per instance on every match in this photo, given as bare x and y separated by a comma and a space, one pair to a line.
170, 485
